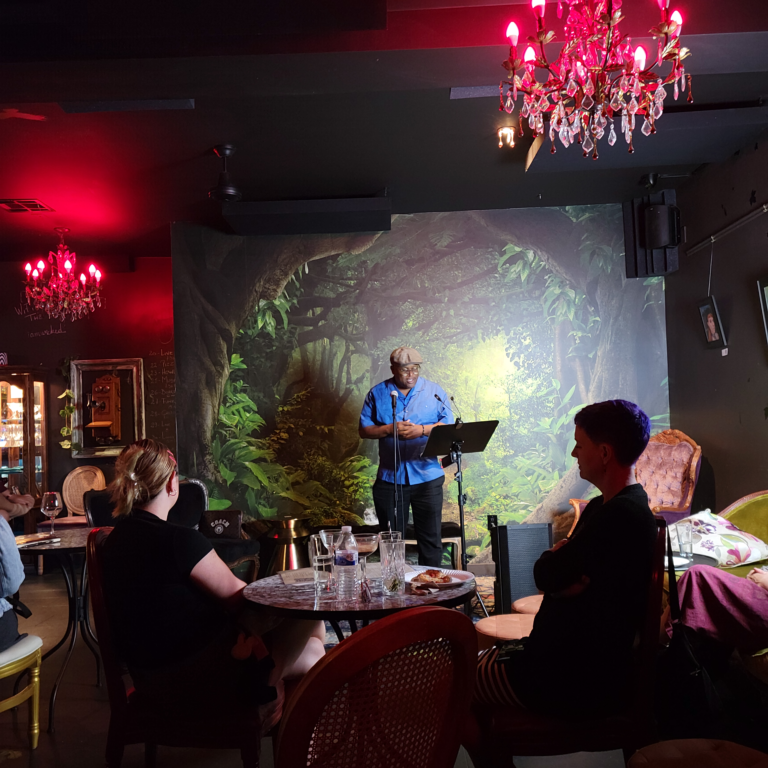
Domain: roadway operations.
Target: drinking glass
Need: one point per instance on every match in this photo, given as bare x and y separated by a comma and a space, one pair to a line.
331, 539
51, 505
390, 536
685, 539
322, 565
393, 567
367, 544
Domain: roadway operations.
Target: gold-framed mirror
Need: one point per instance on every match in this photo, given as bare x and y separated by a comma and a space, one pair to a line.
109, 406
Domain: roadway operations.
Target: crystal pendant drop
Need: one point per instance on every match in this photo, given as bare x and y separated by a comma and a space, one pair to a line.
524, 111
589, 88
588, 102
617, 102
565, 137
544, 104
676, 91
572, 87
633, 106
661, 93
509, 104
588, 144
646, 129
658, 110
612, 136
682, 77
532, 122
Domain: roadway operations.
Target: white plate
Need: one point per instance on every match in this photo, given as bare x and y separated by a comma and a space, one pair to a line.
457, 577
681, 562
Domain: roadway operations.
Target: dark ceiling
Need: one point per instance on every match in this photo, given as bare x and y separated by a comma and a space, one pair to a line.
334, 104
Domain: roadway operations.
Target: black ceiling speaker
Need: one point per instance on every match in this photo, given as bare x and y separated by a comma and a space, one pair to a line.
652, 234
225, 191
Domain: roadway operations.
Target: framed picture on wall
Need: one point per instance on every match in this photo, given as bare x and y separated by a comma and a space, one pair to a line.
710, 319
762, 289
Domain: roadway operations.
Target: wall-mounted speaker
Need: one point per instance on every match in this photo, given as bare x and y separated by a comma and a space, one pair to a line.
652, 234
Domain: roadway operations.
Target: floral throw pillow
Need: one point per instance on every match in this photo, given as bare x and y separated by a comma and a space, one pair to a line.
719, 538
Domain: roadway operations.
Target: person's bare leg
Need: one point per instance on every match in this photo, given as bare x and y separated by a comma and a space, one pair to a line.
296, 646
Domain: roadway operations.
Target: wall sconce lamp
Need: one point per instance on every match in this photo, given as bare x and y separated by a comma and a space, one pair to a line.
506, 136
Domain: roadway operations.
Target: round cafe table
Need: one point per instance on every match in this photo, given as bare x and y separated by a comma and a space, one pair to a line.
298, 601
72, 543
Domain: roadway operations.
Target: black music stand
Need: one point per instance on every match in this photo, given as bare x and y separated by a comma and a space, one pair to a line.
452, 441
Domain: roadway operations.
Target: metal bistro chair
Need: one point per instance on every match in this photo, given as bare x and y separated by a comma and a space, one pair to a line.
24, 656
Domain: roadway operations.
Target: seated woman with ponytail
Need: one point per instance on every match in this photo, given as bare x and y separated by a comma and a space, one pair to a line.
175, 608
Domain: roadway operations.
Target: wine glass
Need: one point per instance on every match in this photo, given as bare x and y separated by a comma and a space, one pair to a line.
51, 505
331, 538
367, 544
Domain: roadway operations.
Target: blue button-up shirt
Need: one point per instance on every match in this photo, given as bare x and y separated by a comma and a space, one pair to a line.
11, 569
419, 406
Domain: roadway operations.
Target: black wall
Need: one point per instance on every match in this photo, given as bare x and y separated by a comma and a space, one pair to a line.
717, 400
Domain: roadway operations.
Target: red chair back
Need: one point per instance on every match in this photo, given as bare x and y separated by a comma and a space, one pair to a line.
396, 693
113, 668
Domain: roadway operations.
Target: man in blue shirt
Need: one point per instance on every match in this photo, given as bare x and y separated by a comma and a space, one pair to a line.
419, 480
11, 569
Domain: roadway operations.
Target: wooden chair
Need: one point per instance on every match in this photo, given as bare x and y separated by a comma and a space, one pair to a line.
135, 722
24, 656
395, 694
668, 470
496, 733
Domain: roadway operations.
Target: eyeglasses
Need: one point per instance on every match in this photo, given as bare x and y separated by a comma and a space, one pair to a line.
411, 369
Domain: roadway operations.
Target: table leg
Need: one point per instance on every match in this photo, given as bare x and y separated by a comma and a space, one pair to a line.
337, 629
84, 623
70, 578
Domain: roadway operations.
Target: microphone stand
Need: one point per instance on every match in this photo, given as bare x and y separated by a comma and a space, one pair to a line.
394, 441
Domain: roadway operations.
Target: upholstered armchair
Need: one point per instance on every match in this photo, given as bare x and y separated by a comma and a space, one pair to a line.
668, 470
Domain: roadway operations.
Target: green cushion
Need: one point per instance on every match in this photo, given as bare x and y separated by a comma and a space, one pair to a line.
752, 517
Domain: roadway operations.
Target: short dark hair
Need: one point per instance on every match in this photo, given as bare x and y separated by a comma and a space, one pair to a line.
621, 424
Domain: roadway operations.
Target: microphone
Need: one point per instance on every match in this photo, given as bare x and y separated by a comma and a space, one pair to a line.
458, 419
448, 406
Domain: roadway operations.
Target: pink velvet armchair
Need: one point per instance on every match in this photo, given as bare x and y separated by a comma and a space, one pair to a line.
668, 470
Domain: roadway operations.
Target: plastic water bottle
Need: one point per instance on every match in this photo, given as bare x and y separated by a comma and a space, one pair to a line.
346, 565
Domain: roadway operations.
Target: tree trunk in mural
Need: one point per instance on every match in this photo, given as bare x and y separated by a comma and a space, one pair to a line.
218, 280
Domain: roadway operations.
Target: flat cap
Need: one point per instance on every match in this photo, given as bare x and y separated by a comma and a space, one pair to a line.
405, 356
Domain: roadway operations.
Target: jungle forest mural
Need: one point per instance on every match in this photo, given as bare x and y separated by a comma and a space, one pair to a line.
521, 315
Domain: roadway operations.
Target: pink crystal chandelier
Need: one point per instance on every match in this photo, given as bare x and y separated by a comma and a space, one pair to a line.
57, 290
600, 84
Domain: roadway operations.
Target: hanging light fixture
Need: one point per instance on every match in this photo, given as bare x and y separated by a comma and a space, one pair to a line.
600, 83
56, 289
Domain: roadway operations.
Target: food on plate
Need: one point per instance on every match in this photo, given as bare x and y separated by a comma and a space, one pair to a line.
433, 576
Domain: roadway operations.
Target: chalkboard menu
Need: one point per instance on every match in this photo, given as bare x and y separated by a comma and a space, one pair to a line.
160, 396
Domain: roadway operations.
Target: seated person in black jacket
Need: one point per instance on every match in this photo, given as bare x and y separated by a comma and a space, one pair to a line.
176, 610
577, 660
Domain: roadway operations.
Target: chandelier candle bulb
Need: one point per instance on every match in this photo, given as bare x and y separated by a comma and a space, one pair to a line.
28, 269
640, 58
513, 34
678, 19
539, 6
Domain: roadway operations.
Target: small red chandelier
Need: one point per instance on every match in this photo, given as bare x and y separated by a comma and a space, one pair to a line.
599, 83
58, 291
